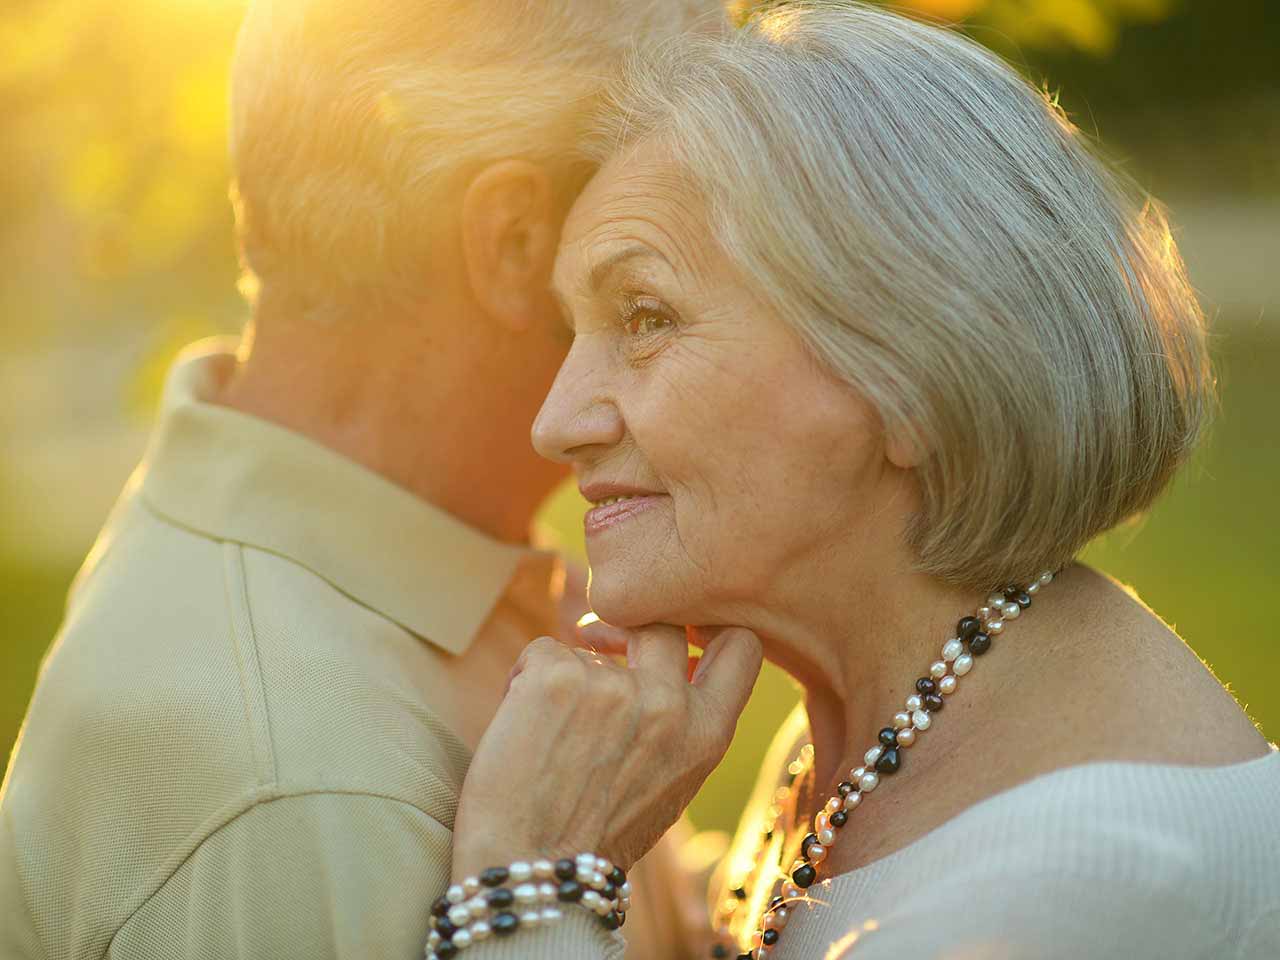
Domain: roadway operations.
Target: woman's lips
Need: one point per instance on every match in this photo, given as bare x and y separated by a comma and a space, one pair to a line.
601, 518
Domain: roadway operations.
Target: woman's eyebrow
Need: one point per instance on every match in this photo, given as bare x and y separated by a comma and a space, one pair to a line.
616, 259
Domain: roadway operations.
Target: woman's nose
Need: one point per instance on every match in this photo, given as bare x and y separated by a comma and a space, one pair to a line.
579, 420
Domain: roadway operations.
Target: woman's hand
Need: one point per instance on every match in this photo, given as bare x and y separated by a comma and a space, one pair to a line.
585, 754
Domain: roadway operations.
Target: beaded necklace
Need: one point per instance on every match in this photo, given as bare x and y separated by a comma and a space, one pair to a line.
973, 638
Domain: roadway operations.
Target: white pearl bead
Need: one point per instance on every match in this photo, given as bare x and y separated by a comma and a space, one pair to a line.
852, 800
872, 755
856, 773
920, 720
459, 915
868, 782
471, 886
1033, 587
455, 894
548, 914
1011, 611
546, 891
963, 664
597, 879
477, 906
591, 900
937, 669
519, 872
907, 736
834, 804
913, 702
995, 626
543, 869
586, 860
1046, 578
985, 613
995, 599
817, 852
461, 939
821, 822
947, 685
525, 893
791, 892
603, 865
777, 918
827, 837
584, 874
531, 919
480, 930
901, 720
625, 889
952, 649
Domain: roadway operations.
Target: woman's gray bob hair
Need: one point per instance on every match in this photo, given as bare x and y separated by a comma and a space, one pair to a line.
944, 239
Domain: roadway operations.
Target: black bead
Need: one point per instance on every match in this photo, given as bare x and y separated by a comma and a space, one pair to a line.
845, 788
611, 921
446, 949
768, 835
617, 876
1019, 596
806, 843
499, 898
745, 956
888, 736
504, 924
570, 891
566, 869
804, 877
980, 644
609, 891
446, 928
967, 627
775, 903
441, 907
888, 761
769, 938
839, 819
494, 876
926, 685
719, 951
932, 702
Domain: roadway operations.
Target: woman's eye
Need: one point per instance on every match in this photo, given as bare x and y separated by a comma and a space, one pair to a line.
642, 320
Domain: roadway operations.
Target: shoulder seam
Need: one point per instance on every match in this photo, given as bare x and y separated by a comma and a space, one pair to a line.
245, 647
256, 802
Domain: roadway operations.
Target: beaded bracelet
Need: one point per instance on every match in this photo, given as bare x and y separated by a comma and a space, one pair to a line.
485, 906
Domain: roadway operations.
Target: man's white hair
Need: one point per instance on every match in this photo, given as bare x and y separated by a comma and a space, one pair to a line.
352, 123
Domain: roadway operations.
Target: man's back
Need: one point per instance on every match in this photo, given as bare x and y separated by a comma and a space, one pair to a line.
233, 740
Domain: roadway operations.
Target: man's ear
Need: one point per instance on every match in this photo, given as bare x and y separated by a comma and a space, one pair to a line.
510, 228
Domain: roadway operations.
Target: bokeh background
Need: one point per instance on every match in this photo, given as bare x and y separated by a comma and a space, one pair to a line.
116, 245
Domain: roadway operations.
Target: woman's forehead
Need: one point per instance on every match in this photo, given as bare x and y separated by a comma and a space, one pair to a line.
639, 198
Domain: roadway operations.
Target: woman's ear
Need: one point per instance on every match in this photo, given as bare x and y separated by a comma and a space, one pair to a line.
902, 446
510, 228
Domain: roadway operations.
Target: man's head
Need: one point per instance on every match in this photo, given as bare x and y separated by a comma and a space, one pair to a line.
402, 169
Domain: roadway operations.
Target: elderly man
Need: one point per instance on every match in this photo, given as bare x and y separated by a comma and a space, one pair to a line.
250, 735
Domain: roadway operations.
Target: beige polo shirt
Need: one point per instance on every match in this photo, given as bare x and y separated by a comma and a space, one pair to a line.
232, 750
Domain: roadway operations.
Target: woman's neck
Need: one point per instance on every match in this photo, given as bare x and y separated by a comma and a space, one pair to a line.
858, 656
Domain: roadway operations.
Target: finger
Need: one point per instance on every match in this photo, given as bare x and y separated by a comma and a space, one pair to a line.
537, 650
728, 670
595, 634
660, 649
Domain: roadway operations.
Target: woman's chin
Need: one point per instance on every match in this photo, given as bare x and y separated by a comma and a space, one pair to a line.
617, 601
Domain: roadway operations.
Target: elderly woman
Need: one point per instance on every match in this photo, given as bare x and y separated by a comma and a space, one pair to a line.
868, 346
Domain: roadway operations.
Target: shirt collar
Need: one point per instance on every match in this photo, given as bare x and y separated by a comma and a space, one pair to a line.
232, 476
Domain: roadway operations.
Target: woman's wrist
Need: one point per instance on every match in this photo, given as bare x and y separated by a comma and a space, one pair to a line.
499, 901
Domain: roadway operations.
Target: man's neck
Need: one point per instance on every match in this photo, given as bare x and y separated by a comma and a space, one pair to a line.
413, 410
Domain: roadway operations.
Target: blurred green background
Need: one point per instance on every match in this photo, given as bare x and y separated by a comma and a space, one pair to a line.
117, 244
